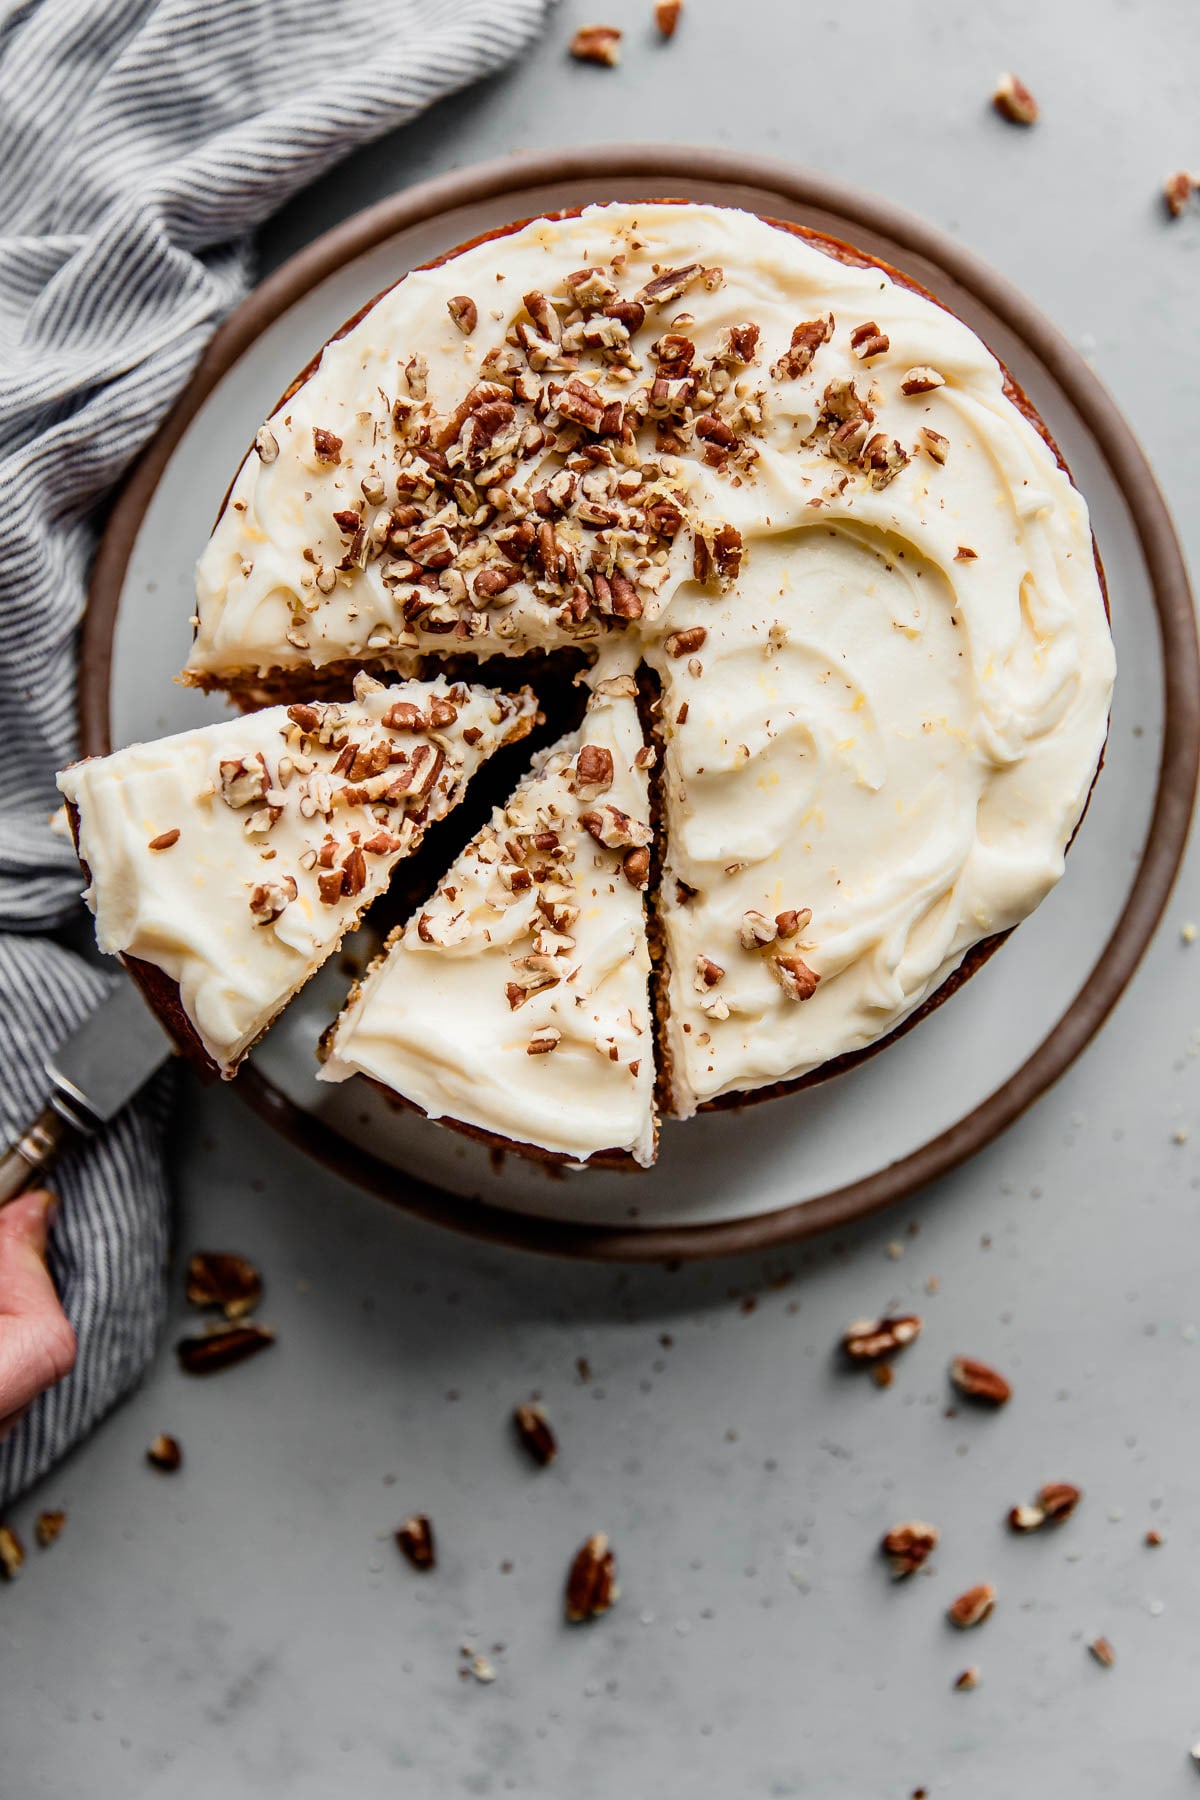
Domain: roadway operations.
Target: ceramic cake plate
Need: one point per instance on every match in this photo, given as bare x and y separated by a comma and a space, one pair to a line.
768, 1173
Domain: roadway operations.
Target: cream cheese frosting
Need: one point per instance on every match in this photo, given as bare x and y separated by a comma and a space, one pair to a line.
804, 495
516, 1000
235, 857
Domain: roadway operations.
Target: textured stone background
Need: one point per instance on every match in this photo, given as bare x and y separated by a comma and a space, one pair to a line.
247, 1627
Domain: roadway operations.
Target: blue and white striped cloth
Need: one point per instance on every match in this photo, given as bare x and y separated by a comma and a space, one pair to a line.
143, 140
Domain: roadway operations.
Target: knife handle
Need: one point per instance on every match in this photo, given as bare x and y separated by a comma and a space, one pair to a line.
33, 1151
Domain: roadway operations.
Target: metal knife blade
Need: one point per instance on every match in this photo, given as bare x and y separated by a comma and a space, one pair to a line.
94, 1072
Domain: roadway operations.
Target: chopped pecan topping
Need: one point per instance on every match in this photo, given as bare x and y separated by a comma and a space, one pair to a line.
935, 446
222, 1349
966, 1681
266, 443
591, 1581
614, 828
791, 924
330, 886
738, 343
1022, 1519
668, 285
165, 1453
327, 445
1178, 190
866, 1340
1103, 1652
909, 1545
666, 16
48, 1527
807, 339
597, 44
243, 781
686, 643
269, 898
977, 1381
12, 1553
415, 1540
964, 553
593, 770
921, 380
1058, 1500
756, 930
547, 1039
884, 459
464, 312
164, 840
220, 1278
973, 1607
708, 972
1014, 102
867, 341
534, 1432
794, 976
635, 866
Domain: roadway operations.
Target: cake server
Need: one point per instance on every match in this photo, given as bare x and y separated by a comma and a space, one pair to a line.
93, 1073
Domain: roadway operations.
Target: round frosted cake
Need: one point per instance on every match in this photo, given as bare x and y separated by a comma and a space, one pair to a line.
825, 601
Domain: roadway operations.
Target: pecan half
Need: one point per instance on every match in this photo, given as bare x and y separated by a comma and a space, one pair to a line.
219, 1278
591, 1581
415, 1540
973, 1607
165, 1453
909, 1545
866, 1340
977, 1381
597, 44
534, 1432
222, 1349
1014, 102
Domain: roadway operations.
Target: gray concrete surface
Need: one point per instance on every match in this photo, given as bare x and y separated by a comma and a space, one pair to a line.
246, 1628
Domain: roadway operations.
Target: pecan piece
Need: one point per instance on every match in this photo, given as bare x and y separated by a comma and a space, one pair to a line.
165, 840
1023, 1519
790, 924
1058, 1500
977, 1381
666, 16
597, 44
909, 1545
867, 341
464, 312
534, 1432
222, 1349
165, 1454
866, 1340
921, 380
1014, 102
327, 444
1103, 1652
686, 643
635, 866
48, 1527
415, 1540
794, 976
266, 443
591, 1581
219, 1278
807, 339
669, 285
12, 1553
935, 446
1178, 190
593, 770
973, 1607
966, 1681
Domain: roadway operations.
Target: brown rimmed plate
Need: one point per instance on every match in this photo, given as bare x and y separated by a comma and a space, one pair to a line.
736, 1180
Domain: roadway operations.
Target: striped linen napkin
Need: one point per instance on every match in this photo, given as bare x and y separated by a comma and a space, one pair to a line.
143, 141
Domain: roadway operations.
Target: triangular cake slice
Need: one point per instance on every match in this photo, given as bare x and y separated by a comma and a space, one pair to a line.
226, 864
516, 1001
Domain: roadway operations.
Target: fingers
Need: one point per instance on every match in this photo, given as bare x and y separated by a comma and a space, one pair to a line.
37, 1344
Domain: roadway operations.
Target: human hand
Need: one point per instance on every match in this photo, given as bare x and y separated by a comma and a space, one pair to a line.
37, 1344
